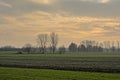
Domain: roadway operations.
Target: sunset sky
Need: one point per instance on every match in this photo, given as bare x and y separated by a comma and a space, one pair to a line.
73, 20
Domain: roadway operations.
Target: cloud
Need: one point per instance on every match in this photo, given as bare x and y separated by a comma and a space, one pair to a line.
5, 4
104, 1
98, 1
72, 7
28, 6
73, 20
47, 2
91, 8
25, 28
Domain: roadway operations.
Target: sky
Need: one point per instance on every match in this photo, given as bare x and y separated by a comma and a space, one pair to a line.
73, 20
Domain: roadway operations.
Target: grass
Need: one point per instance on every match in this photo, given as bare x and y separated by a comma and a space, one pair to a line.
62, 55
79, 62
42, 74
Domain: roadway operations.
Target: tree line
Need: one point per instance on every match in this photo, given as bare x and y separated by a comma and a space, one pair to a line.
48, 43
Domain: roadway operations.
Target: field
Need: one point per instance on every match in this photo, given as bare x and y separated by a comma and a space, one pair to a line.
38, 74
92, 62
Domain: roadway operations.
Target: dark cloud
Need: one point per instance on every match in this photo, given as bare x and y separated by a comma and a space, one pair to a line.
80, 8
22, 7
73, 7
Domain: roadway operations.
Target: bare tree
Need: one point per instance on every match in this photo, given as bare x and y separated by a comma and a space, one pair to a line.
62, 49
113, 46
53, 41
81, 48
107, 46
73, 47
118, 46
42, 42
27, 48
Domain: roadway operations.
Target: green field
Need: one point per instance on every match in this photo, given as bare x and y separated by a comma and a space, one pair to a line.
95, 62
39, 74
62, 55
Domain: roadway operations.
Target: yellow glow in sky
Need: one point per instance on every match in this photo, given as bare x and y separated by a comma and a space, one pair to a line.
44, 1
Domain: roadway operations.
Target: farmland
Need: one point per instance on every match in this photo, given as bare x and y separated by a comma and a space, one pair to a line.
92, 62
41, 74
